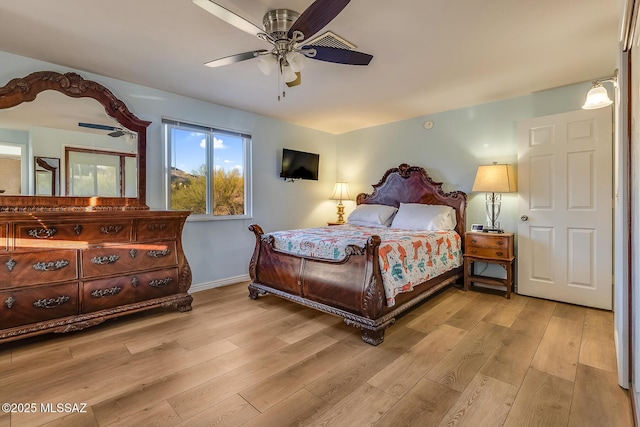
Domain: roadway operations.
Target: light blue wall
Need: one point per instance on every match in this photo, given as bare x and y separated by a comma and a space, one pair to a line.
451, 151
218, 250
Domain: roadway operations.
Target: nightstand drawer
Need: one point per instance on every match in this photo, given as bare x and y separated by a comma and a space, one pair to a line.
486, 240
502, 253
489, 245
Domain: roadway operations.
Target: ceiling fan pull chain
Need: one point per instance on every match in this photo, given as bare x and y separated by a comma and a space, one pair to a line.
279, 84
280, 79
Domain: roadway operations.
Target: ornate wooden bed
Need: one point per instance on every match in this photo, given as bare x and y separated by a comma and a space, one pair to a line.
352, 287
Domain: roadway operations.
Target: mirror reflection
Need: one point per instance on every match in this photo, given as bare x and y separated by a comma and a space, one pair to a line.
11, 161
47, 176
62, 146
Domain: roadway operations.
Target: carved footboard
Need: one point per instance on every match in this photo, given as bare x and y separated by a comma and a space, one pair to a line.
351, 287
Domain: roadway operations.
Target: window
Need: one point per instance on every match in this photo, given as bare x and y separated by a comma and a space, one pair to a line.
209, 170
100, 173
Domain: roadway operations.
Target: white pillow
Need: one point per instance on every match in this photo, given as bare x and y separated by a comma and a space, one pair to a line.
372, 215
416, 216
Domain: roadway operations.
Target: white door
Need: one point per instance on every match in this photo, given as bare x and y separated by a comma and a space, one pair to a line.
565, 207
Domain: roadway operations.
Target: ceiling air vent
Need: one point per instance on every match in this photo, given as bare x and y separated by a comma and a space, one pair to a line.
330, 39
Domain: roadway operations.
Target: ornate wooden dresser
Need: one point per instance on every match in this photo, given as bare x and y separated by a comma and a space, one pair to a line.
62, 272
68, 262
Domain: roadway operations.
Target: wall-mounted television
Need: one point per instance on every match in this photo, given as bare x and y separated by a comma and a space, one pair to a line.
299, 165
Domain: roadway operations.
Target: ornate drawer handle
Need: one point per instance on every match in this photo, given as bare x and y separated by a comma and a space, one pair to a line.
501, 242
51, 265
77, 229
107, 259
100, 293
42, 233
158, 254
134, 282
156, 227
9, 302
473, 240
160, 283
10, 264
51, 302
133, 252
499, 253
111, 229
473, 251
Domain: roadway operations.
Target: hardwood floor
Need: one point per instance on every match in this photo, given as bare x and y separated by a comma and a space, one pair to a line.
458, 359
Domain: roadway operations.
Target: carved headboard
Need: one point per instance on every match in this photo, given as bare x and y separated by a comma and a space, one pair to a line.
412, 184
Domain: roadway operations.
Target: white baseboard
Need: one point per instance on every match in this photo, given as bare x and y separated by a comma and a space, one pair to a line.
218, 283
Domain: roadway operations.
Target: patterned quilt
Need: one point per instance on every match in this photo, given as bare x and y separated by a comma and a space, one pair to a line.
407, 258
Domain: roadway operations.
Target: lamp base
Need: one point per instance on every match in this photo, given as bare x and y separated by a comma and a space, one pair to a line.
340, 213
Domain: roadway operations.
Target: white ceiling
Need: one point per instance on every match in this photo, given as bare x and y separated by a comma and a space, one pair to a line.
429, 55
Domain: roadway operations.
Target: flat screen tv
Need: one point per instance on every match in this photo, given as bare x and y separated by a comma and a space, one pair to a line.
299, 165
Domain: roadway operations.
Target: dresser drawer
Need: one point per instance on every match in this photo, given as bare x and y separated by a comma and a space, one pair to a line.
71, 234
32, 305
156, 284
40, 267
130, 257
3, 236
6, 265
160, 228
107, 293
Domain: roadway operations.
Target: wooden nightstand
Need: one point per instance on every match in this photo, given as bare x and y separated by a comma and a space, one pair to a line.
492, 248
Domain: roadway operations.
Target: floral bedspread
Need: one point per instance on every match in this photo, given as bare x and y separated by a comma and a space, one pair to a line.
407, 258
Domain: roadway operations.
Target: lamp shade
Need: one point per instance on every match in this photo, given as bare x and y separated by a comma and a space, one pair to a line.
340, 192
597, 97
296, 60
288, 74
495, 178
266, 63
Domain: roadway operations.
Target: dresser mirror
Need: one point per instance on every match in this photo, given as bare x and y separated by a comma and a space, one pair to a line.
67, 143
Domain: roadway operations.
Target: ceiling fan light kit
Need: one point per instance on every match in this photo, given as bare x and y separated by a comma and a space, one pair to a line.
286, 31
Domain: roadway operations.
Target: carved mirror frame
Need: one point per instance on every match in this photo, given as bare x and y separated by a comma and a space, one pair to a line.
26, 89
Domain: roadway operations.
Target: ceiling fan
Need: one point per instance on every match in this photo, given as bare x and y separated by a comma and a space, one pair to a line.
288, 32
113, 131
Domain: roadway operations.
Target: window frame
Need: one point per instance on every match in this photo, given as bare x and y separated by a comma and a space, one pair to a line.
210, 131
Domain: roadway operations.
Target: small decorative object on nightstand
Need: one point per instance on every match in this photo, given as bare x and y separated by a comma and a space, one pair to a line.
335, 223
494, 248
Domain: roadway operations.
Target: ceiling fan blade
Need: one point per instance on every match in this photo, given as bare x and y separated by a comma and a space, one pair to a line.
297, 81
340, 56
96, 126
227, 60
229, 17
317, 16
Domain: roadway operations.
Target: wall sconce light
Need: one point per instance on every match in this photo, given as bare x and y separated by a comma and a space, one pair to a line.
494, 179
340, 192
597, 97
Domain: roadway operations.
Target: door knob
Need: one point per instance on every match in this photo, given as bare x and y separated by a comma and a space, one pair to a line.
524, 217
